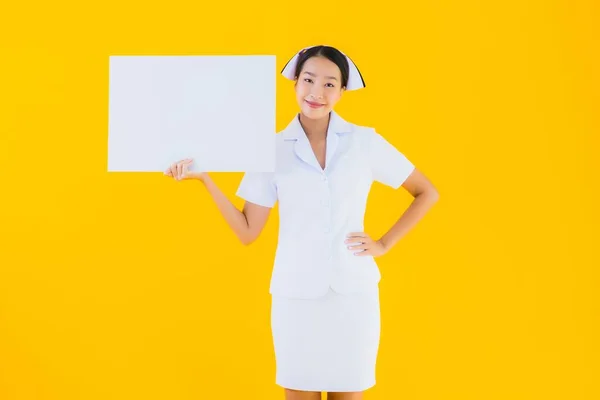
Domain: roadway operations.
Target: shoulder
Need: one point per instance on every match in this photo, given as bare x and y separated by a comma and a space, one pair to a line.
376, 146
363, 135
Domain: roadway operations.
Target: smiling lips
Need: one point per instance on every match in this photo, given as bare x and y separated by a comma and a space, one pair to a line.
312, 104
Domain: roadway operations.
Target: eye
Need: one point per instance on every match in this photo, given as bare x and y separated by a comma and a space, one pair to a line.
307, 80
331, 85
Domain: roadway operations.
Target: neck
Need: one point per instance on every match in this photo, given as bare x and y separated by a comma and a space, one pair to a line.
315, 128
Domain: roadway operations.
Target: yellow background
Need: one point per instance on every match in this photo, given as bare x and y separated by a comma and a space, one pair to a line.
131, 286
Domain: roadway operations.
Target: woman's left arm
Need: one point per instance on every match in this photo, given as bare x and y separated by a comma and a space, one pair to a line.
425, 196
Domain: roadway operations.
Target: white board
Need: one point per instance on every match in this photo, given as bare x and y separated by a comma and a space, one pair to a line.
218, 110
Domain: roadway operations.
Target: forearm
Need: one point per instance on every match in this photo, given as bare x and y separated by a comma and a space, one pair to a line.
411, 216
234, 217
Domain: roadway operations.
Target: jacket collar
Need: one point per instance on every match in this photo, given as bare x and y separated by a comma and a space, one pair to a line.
295, 133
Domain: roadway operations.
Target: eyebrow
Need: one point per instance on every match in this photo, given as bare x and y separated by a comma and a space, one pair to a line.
328, 77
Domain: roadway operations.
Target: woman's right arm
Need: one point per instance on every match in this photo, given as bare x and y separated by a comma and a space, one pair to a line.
246, 224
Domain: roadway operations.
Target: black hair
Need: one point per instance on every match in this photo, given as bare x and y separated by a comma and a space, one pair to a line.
332, 54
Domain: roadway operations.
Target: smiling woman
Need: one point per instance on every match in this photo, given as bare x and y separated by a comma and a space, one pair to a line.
325, 315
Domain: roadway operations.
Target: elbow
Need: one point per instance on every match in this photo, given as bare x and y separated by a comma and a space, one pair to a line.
435, 196
247, 239
432, 195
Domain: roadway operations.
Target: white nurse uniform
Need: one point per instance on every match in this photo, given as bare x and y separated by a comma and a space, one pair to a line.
325, 315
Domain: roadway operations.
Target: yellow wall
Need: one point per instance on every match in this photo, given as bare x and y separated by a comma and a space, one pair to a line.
131, 286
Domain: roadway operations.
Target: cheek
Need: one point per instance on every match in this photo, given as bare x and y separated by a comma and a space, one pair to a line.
333, 98
301, 93
299, 97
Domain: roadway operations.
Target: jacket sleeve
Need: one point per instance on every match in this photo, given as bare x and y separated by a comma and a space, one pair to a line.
389, 165
258, 188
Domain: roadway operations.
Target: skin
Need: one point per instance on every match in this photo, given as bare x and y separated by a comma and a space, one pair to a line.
320, 82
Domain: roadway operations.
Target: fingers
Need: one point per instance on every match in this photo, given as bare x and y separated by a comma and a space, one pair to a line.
361, 243
179, 169
358, 237
359, 247
357, 234
184, 170
354, 244
185, 164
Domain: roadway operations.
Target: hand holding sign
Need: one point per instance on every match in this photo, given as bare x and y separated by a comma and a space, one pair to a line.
180, 171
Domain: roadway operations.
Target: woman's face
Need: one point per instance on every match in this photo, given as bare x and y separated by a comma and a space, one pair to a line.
318, 87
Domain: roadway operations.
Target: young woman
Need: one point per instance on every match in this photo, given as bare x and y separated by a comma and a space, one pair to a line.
325, 315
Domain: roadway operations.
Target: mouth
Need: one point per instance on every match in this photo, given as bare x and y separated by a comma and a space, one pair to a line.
312, 104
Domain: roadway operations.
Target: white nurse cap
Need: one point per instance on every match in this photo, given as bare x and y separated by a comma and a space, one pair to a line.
355, 79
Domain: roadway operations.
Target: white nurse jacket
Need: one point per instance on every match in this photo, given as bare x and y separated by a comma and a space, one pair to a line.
318, 208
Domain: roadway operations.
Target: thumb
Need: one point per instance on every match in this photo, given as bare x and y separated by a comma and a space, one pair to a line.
186, 173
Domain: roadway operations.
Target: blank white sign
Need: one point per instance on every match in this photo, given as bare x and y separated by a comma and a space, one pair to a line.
218, 110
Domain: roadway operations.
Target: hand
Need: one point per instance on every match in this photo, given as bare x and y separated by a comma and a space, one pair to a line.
179, 170
364, 242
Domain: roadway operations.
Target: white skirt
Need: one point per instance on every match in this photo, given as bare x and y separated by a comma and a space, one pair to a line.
326, 344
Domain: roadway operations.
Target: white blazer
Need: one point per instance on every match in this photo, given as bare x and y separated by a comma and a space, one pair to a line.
319, 207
